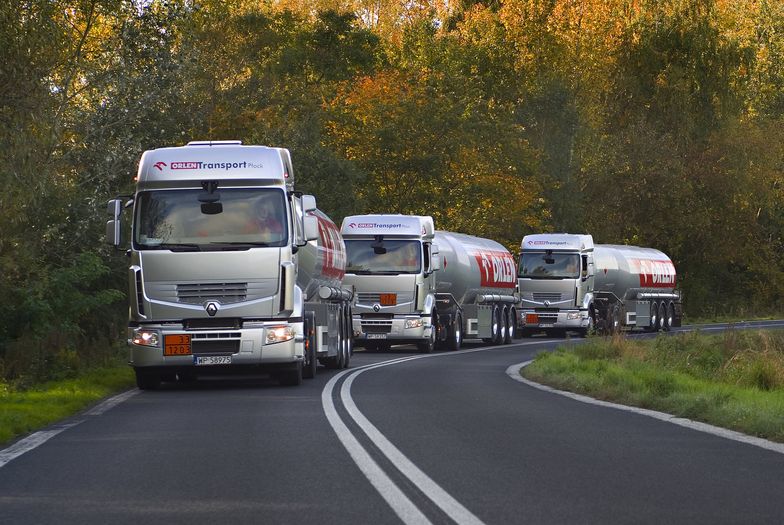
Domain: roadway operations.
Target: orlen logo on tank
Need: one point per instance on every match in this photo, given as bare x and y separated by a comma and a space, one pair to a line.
497, 269
655, 274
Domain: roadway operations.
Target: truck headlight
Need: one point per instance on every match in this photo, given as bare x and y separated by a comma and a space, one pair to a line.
145, 337
279, 334
413, 323
572, 316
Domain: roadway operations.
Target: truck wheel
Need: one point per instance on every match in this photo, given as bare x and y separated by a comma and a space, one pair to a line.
590, 329
147, 379
427, 347
669, 317
347, 338
497, 326
337, 361
509, 316
662, 313
456, 334
654, 317
310, 365
291, 376
615, 319
512, 327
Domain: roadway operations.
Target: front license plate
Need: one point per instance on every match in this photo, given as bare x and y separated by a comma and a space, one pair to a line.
376, 336
206, 360
546, 325
177, 344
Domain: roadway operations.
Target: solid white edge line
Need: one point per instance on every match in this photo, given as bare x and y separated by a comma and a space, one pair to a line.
403, 507
422, 481
37, 439
514, 372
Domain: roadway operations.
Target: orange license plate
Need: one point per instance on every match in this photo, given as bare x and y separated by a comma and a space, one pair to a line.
177, 344
388, 299
531, 319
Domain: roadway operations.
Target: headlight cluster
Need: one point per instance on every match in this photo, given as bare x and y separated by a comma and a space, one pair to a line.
144, 337
279, 334
573, 315
413, 323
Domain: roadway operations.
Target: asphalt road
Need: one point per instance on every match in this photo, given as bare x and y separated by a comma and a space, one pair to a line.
442, 438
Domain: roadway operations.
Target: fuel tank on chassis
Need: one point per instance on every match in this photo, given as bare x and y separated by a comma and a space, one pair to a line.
472, 266
322, 262
626, 270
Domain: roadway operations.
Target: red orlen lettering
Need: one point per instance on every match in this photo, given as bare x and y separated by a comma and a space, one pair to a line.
497, 269
655, 273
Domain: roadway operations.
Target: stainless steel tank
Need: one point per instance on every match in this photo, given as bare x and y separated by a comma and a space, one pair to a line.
322, 263
627, 270
473, 266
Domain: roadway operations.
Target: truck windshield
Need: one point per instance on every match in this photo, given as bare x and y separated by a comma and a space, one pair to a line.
384, 257
541, 265
175, 220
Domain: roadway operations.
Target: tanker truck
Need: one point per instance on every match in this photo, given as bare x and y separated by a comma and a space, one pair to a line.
568, 283
393, 262
231, 269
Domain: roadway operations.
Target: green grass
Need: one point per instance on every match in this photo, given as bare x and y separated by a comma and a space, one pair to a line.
28, 410
734, 380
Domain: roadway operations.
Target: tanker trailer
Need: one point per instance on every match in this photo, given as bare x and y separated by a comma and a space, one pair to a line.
476, 290
231, 270
635, 287
567, 283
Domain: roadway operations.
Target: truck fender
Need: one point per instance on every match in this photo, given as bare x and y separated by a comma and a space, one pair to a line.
430, 303
587, 301
299, 302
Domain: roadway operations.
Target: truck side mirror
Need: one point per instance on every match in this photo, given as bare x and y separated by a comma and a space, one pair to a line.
114, 224
435, 259
308, 203
311, 227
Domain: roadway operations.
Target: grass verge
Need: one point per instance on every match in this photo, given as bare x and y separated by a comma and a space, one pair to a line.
734, 380
24, 411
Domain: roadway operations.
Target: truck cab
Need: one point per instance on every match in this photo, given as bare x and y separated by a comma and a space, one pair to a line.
391, 263
556, 283
218, 239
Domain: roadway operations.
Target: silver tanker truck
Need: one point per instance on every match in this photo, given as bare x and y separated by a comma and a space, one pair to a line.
392, 264
476, 289
567, 282
230, 268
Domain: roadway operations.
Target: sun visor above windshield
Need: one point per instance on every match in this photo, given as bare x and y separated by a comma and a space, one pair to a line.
388, 226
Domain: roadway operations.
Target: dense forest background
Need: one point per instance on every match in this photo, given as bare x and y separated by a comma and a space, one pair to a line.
652, 122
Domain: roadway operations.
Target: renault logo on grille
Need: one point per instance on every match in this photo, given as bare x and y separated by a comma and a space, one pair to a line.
212, 308
547, 303
376, 307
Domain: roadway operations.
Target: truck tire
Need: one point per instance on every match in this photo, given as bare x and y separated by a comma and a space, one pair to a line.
147, 379
662, 314
659, 315
348, 338
591, 328
497, 330
310, 364
291, 376
615, 319
456, 334
512, 326
337, 361
669, 317
509, 323
427, 347
654, 319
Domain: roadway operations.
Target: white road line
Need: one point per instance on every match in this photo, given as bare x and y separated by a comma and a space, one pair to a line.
405, 509
422, 481
39, 438
514, 372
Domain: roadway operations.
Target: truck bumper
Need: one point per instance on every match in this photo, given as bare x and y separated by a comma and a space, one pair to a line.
564, 319
244, 346
397, 330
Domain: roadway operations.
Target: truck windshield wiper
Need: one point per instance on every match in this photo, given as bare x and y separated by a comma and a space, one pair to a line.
238, 244
179, 247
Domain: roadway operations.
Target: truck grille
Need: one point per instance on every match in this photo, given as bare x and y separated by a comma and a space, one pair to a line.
376, 326
547, 296
224, 293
